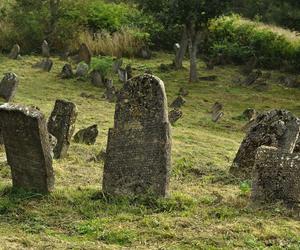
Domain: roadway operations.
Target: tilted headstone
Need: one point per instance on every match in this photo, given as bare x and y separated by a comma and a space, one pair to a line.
84, 54
67, 72
61, 124
8, 86
15, 52
175, 115
178, 102
82, 69
87, 135
276, 176
275, 128
217, 112
45, 65
139, 146
45, 49
27, 147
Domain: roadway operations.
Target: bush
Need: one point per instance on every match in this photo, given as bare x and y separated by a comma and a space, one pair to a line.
103, 65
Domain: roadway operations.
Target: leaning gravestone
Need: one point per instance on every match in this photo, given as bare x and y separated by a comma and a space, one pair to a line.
61, 124
67, 72
276, 128
87, 135
84, 54
276, 176
8, 86
27, 147
139, 146
45, 65
178, 102
45, 49
175, 115
15, 52
217, 112
97, 78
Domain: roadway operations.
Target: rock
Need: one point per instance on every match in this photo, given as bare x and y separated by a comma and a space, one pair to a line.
27, 147
110, 93
97, 79
290, 82
145, 53
45, 65
15, 52
82, 70
84, 54
178, 102
45, 49
183, 92
123, 77
217, 116
129, 71
117, 64
87, 136
8, 86
67, 72
275, 128
138, 154
175, 115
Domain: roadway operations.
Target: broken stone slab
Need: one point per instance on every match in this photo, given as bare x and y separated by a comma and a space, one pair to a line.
67, 72
15, 52
8, 86
45, 49
178, 102
45, 65
175, 115
138, 155
61, 124
87, 135
276, 176
27, 147
275, 128
84, 54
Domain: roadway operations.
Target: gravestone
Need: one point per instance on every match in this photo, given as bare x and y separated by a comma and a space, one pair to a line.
84, 54
87, 135
97, 79
217, 112
117, 64
275, 128
67, 72
8, 86
15, 52
110, 93
139, 146
27, 147
123, 77
82, 69
175, 115
61, 124
45, 65
178, 102
129, 71
45, 49
276, 176
250, 114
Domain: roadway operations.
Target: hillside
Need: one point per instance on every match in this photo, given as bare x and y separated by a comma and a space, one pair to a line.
207, 208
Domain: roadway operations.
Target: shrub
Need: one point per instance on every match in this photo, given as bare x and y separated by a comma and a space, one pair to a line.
102, 64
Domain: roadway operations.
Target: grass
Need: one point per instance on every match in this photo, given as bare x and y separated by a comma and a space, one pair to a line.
207, 208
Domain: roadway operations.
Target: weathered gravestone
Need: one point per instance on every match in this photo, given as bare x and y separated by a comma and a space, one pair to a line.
117, 64
84, 54
87, 135
217, 112
252, 77
82, 69
139, 146
45, 49
129, 71
15, 52
27, 147
61, 124
275, 128
123, 77
178, 102
97, 78
8, 86
45, 65
175, 115
67, 72
276, 176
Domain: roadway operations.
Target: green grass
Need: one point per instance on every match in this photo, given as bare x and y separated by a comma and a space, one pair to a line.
207, 208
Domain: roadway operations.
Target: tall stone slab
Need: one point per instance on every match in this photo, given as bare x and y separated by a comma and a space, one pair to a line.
275, 128
8, 86
15, 52
27, 147
61, 125
276, 176
139, 146
45, 49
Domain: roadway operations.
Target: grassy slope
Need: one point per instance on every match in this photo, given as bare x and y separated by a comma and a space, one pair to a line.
206, 208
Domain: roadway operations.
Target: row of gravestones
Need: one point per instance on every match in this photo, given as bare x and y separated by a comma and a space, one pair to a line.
138, 151
270, 156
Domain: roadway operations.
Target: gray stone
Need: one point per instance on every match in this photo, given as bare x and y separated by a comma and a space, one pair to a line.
297, 147
129, 71
97, 79
217, 116
275, 128
87, 135
61, 124
175, 115
290, 82
110, 93
15, 52
53, 143
252, 77
139, 146
123, 77
276, 176
67, 72
178, 102
45, 65
27, 147
217, 112
84, 54
82, 69
117, 64
45, 49
8, 86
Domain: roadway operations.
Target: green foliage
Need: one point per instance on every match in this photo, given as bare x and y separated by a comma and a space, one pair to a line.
245, 188
102, 64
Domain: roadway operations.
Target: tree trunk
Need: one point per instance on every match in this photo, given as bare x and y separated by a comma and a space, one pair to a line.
182, 50
194, 40
54, 15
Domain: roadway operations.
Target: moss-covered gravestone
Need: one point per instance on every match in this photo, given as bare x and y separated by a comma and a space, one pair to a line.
8, 86
61, 124
27, 147
139, 146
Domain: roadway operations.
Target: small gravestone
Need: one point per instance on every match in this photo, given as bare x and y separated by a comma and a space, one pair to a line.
82, 69
178, 102
217, 112
129, 71
15, 52
175, 115
97, 79
110, 93
27, 147
123, 77
45, 49
250, 114
61, 124
138, 154
87, 135
183, 92
53, 143
45, 65
276, 176
252, 77
84, 54
117, 64
8, 86
275, 128
67, 72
